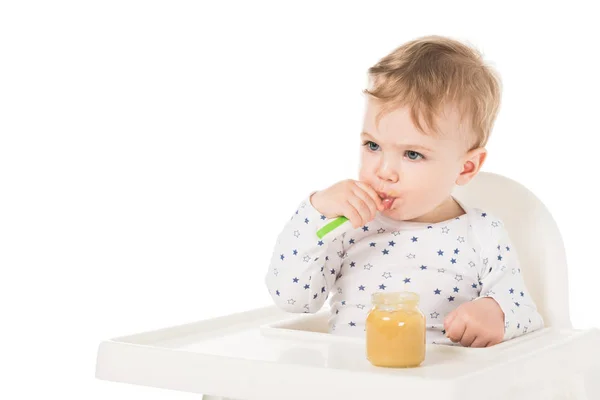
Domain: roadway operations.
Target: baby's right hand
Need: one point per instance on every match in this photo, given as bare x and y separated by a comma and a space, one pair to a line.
355, 200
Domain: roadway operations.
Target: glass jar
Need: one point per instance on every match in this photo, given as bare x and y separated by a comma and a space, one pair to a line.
395, 330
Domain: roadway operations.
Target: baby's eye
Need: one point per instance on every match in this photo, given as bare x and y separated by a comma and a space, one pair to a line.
372, 145
413, 155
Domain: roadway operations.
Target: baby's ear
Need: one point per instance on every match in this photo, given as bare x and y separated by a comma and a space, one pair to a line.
471, 165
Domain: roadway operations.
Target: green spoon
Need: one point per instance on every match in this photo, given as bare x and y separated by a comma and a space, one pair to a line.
331, 226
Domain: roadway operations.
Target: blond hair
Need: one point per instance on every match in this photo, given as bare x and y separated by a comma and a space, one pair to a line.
431, 72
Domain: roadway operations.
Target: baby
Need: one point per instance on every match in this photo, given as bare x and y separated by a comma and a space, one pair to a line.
429, 114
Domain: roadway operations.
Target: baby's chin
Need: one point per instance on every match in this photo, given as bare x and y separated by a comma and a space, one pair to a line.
399, 212
394, 214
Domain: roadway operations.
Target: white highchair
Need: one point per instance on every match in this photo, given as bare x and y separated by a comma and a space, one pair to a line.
269, 354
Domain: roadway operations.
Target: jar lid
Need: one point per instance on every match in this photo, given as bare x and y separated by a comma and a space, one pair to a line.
395, 298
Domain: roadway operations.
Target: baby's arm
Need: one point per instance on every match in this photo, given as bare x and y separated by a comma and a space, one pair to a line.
502, 280
304, 268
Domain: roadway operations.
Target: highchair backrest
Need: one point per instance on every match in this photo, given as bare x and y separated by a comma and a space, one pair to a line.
535, 236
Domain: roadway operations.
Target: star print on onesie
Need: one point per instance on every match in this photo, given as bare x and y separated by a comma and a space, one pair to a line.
447, 263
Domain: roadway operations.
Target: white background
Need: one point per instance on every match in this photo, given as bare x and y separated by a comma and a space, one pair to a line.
151, 151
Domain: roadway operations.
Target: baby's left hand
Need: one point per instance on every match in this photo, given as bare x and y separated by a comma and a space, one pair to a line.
478, 323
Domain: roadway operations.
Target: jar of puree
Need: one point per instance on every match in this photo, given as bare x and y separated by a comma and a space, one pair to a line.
395, 330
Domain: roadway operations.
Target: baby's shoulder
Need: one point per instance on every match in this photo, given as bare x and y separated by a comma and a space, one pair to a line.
485, 225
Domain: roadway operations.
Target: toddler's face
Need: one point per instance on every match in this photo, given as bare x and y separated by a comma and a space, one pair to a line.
419, 170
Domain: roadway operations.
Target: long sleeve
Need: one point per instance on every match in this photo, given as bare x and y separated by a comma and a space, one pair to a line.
501, 279
303, 268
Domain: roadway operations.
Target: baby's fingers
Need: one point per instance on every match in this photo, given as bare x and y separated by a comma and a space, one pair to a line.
352, 214
448, 320
361, 207
372, 194
456, 329
480, 341
469, 336
368, 201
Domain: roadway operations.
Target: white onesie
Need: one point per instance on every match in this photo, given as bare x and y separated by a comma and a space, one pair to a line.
447, 263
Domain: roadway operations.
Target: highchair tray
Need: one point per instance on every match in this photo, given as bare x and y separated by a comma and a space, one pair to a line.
267, 353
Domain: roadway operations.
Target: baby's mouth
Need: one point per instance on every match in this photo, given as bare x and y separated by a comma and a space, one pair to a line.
386, 200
